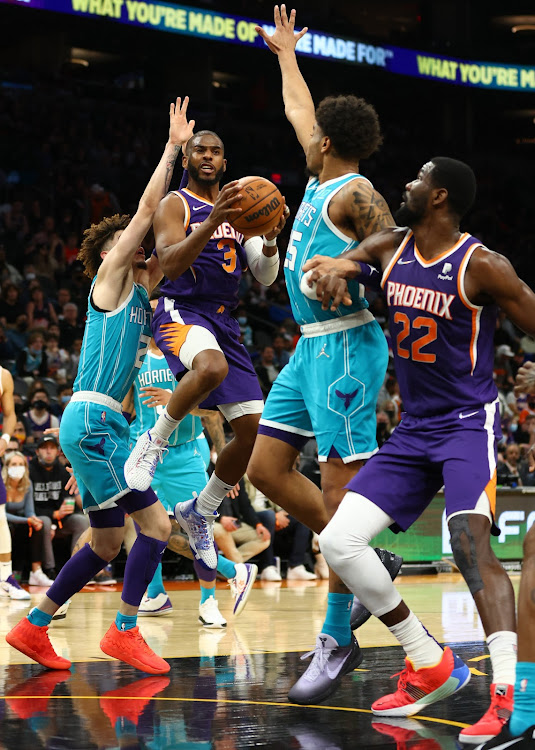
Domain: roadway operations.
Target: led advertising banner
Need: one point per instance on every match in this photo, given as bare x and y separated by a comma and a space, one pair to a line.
218, 26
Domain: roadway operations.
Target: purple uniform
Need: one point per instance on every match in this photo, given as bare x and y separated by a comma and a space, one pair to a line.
444, 356
204, 296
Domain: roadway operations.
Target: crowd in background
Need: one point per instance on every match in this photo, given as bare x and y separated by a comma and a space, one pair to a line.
78, 164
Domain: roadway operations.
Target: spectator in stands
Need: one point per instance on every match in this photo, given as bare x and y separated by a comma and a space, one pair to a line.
53, 504
281, 356
11, 306
26, 528
39, 416
69, 325
8, 273
71, 248
100, 203
384, 427
510, 469
58, 359
39, 310
525, 434
266, 370
32, 361
239, 532
18, 335
502, 363
75, 358
16, 226
245, 329
7, 350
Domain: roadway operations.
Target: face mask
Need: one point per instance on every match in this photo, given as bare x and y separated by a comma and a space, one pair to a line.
39, 404
30, 276
242, 321
65, 399
513, 427
20, 409
16, 472
20, 436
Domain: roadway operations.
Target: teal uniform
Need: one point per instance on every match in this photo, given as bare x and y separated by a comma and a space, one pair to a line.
93, 431
183, 471
330, 386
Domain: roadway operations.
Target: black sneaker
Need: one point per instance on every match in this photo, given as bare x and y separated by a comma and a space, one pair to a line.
505, 740
329, 664
393, 563
105, 577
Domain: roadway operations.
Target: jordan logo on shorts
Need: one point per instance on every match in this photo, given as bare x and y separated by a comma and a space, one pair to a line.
323, 352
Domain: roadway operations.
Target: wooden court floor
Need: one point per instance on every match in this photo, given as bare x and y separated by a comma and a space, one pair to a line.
227, 689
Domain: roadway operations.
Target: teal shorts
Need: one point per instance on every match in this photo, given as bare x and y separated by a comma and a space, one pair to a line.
329, 390
181, 474
94, 438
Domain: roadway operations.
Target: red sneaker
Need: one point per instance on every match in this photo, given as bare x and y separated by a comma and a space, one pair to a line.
22, 698
136, 696
129, 646
33, 641
418, 688
407, 733
492, 723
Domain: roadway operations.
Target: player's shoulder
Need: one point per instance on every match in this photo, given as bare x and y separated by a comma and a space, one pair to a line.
483, 259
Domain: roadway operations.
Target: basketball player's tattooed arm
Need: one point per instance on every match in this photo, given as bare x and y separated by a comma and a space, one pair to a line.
212, 422
298, 103
366, 210
179, 542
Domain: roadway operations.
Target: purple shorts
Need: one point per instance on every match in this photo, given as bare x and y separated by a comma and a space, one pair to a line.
457, 450
114, 517
171, 325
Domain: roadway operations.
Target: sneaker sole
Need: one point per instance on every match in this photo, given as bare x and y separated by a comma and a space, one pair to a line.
156, 612
211, 625
333, 685
242, 599
452, 685
118, 654
480, 739
28, 651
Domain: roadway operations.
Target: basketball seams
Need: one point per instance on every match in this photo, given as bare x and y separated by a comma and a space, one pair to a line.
240, 224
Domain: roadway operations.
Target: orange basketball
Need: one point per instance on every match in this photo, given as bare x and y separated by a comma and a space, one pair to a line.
262, 206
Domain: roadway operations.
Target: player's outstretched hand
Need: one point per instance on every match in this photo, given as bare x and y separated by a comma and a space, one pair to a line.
72, 485
222, 210
525, 379
280, 226
329, 276
180, 130
155, 396
285, 37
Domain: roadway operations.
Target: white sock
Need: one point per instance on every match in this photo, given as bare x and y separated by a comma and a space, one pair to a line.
503, 649
212, 496
420, 647
5, 570
164, 426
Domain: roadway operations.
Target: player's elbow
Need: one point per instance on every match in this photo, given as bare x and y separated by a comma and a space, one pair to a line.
171, 267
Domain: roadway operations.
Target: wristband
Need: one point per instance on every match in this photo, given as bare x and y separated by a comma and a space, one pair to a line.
270, 243
6, 436
53, 527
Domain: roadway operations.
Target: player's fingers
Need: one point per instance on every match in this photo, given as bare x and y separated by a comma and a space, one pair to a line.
292, 18
284, 15
171, 109
191, 125
277, 15
301, 33
185, 103
346, 300
340, 292
260, 31
177, 104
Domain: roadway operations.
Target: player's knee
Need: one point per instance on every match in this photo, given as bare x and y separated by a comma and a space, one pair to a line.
211, 369
529, 545
162, 528
329, 542
260, 474
106, 549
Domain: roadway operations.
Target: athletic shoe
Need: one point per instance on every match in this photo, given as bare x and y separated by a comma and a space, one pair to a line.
329, 664
493, 721
130, 701
141, 464
11, 589
61, 613
31, 696
130, 647
408, 733
33, 641
270, 574
105, 577
241, 585
505, 740
209, 614
418, 688
200, 531
39, 578
158, 605
300, 573
393, 563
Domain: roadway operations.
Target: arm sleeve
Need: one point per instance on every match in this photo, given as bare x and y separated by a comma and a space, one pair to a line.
29, 507
265, 269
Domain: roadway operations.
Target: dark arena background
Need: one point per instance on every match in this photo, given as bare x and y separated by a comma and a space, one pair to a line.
85, 87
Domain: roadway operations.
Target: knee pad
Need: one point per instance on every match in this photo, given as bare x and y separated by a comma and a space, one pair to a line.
464, 550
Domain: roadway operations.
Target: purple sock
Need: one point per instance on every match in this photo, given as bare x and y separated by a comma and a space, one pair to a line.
75, 574
204, 573
141, 565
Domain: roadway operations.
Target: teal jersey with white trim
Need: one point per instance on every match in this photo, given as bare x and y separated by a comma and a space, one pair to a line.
155, 371
313, 233
114, 345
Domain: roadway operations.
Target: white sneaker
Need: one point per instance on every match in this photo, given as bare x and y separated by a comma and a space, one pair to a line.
61, 613
158, 605
321, 569
300, 573
11, 589
270, 574
242, 584
39, 578
200, 531
141, 465
209, 614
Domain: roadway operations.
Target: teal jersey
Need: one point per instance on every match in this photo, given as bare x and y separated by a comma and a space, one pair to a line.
114, 345
155, 371
313, 233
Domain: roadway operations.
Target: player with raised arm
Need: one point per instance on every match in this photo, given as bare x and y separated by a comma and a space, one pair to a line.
94, 432
329, 388
443, 288
203, 258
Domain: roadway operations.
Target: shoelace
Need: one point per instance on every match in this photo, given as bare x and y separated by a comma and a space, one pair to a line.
151, 458
322, 655
403, 678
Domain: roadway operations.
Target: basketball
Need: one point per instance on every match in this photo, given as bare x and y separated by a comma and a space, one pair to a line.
262, 205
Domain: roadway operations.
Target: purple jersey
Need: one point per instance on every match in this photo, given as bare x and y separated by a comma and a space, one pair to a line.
443, 344
215, 275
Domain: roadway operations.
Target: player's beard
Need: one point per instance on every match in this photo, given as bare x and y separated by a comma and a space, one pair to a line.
199, 176
407, 217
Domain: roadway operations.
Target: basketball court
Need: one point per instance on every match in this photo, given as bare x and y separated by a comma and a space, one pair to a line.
227, 688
